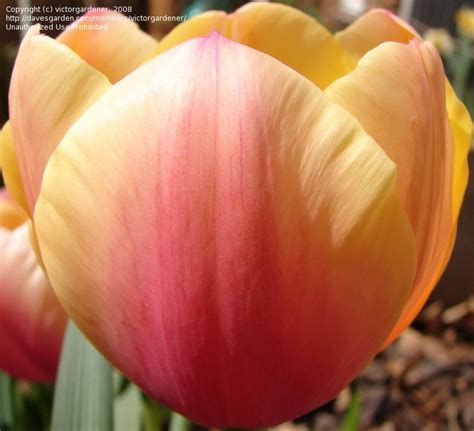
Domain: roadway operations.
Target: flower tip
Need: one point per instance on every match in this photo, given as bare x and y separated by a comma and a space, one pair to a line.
34, 30
213, 35
415, 42
382, 11
213, 38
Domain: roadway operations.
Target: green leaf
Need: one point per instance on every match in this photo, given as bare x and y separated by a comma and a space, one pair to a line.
6, 402
128, 409
179, 423
83, 398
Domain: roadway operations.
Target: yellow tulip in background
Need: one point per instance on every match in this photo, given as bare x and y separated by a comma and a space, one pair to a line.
465, 22
240, 216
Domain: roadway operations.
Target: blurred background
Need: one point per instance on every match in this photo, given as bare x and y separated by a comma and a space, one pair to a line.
425, 381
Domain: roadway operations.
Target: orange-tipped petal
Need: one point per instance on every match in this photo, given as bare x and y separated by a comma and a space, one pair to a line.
51, 87
11, 214
283, 32
116, 46
397, 92
249, 254
31, 319
372, 29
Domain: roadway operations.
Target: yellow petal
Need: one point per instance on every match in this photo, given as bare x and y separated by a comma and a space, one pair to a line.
226, 193
10, 170
378, 26
367, 33
397, 92
461, 127
285, 33
51, 87
372, 29
116, 49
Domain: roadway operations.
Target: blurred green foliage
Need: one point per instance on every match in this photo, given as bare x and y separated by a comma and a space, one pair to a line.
24, 406
460, 72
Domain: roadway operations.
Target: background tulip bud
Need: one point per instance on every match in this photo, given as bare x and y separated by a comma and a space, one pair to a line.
31, 319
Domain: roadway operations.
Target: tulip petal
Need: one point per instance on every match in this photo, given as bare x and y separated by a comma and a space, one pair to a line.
372, 29
31, 319
51, 87
397, 92
10, 170
11, 214
378, 26
116, 46
461, 127
283, 32
249, 253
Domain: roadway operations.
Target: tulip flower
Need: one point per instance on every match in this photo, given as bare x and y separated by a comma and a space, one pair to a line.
31, 319
241, 223
465, 22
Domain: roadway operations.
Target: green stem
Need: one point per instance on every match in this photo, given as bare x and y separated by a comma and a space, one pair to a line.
152, 415
6, 402
352, 416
